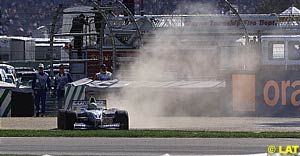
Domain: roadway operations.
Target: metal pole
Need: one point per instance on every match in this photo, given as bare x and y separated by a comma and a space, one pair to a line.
142, 12
241, 20
54, 21
101, 42
101, 33
109, 26
86, 37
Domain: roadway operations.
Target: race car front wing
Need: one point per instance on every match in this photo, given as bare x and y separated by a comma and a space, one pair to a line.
86, 126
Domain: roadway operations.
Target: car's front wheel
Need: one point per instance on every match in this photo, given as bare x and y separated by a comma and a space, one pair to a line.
66, 120
123, 119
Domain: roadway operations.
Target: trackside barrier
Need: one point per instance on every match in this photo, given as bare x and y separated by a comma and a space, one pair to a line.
5, 102
278, 93
267, 93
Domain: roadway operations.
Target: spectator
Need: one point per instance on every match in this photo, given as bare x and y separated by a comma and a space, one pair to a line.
40, 85
77, 27
61, 79
103, 75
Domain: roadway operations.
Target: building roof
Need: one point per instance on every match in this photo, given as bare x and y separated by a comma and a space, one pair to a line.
290, 11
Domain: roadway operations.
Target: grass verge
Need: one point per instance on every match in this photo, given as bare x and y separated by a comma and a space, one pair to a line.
145, 133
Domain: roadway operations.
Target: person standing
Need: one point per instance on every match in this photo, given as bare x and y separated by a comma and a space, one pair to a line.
40, 85
61, 79
103, 75
78, 23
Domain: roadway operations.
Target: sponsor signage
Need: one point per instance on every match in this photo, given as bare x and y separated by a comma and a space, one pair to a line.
279, 90
226, 22
278, 93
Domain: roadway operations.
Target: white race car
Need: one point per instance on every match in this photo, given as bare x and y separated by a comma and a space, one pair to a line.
92, 114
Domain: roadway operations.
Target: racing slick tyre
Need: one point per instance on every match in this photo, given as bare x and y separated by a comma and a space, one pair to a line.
70, 120
66, 120
61, 119
122, 118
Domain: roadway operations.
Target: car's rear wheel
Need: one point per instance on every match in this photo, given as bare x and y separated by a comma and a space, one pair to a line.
122, 118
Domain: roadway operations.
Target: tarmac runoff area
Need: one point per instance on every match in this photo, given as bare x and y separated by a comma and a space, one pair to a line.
141, 146
254, 124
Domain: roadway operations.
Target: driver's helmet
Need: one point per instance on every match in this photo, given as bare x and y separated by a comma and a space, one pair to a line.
92, 106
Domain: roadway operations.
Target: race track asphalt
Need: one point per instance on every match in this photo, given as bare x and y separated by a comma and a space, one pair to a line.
154, 146
140, 146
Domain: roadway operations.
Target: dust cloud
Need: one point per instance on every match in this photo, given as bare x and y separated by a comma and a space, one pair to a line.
180, 55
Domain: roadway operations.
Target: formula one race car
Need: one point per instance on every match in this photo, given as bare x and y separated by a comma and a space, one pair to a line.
92, 114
